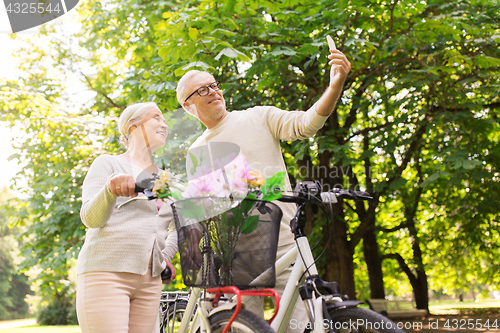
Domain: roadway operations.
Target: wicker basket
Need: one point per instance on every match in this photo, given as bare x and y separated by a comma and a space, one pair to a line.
227, 242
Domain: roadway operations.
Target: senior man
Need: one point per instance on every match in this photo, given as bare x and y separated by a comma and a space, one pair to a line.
258, 132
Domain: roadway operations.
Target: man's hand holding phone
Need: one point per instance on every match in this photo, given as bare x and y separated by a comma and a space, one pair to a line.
340, 65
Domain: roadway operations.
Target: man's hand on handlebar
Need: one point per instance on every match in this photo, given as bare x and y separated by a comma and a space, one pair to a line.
122, 185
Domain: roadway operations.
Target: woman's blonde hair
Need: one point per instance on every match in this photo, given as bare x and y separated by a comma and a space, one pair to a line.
132, 115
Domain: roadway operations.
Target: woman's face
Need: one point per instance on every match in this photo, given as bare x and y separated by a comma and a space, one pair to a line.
155, 129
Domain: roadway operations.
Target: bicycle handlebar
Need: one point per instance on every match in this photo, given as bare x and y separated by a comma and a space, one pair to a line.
166, 274
146, 186
301, 194
350, 194
314, 188
326, 197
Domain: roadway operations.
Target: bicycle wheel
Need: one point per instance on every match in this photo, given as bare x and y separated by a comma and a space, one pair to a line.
173, 317
353, 320
246, 321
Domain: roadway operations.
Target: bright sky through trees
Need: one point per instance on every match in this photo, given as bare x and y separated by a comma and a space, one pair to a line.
9, 71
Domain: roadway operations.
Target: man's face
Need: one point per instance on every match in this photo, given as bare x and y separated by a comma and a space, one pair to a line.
211, 106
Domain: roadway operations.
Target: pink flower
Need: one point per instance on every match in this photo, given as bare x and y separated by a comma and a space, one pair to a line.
236, 180
238, 168
238, 187
198, 187
217, 185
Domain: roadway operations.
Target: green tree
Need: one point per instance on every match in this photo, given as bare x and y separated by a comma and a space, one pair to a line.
56, 153
415, 66
14, 285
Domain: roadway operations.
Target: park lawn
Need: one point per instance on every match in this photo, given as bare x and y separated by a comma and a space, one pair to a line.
10, 321
456, 307
465, 304
42, 329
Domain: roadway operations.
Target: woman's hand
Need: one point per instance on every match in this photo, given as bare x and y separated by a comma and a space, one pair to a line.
122, 185
172, 270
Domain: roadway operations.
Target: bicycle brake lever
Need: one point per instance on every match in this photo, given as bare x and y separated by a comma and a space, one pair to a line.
130, 200
362, 195
145, 184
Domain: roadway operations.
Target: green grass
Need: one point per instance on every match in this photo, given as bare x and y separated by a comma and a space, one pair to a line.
464, 308
479, 304
42, 329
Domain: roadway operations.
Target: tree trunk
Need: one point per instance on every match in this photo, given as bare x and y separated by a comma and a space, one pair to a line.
418, 282
339, 266
421, 290
340, 253
374, 263
421, 286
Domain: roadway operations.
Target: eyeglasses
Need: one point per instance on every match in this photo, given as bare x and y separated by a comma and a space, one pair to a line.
203, 91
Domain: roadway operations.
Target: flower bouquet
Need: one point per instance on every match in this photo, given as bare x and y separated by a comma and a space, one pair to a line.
166, 185
160, 186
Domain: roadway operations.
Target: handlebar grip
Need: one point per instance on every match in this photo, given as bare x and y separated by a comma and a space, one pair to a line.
350, 194
145, 184
362, 194
166, 274
138, 189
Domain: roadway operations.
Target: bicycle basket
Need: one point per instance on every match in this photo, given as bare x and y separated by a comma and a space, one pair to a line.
227, 242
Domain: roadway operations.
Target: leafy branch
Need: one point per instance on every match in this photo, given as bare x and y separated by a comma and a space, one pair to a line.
103, 94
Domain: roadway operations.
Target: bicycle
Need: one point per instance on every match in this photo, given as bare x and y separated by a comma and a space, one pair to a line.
322, 299
327, 309
172, 308
208, 309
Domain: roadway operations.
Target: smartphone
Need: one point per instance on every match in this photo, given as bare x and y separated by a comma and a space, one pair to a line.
331, 43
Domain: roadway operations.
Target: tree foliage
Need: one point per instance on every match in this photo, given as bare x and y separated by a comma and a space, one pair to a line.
14, 285
417, 125
56, 153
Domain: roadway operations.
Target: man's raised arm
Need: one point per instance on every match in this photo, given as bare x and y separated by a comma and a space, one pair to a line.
339, 70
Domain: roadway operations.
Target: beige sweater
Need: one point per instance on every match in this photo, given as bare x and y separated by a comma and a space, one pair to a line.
258, 132
122, 240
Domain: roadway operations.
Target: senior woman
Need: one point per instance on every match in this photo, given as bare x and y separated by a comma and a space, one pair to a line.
125, 251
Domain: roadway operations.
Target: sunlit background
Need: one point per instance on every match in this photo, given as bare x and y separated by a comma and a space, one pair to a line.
8, 70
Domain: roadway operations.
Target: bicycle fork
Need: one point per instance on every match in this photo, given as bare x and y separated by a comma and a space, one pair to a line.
316, 306
314, 292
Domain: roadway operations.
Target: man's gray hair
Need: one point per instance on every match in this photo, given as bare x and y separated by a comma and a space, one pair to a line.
181, 89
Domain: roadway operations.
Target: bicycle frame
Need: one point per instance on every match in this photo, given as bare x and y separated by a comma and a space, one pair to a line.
287, 300
300, 257
291, 292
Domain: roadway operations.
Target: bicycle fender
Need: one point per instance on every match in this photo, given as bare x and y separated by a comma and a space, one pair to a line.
224, 306
196, 326
343, 305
